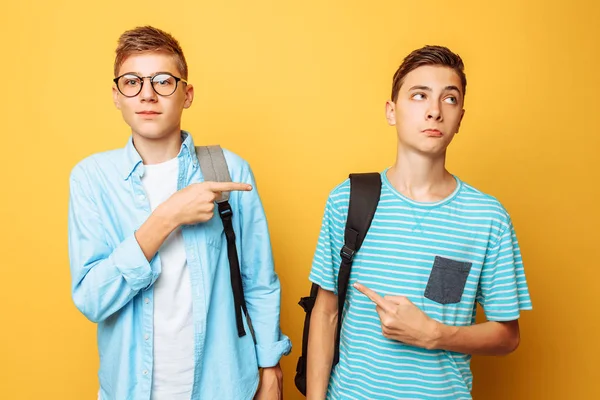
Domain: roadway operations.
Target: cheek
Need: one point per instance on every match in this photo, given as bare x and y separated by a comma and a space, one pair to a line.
174, 105
128, 111
453, 118
408, 115
172, 110
126, 105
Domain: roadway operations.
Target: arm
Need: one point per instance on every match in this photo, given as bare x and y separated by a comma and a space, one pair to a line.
488, 338
502, 293
321, 341
153, 233
323, 321
106, 278
261, 286
401, 320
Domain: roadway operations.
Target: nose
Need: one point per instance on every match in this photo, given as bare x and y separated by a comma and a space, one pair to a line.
434, 112
148, 93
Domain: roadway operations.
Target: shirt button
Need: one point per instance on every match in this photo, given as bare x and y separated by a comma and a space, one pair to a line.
146, 300
141, 197
146, 336
145, 372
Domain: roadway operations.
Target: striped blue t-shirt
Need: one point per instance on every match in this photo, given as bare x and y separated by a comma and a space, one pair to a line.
445, 257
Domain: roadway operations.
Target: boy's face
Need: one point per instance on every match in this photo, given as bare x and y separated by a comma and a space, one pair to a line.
429, 109
149, 114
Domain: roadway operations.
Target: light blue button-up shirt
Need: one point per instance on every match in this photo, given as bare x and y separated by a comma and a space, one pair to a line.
112, 281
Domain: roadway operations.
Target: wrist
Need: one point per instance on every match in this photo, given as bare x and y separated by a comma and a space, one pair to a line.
272, 372
165, 219
165, 216
435, 333
439, 334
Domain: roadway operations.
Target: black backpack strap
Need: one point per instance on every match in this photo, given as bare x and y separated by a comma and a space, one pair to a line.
214, 168
237, 287
365, 191
307, 303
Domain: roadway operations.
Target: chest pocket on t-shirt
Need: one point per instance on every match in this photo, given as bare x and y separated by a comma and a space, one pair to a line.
447, 280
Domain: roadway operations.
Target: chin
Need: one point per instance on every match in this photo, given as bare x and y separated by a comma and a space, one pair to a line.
426, 149
435, 152
152, 134
429, 151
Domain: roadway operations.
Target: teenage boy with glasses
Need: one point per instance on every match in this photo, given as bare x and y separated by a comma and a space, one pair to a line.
149, 259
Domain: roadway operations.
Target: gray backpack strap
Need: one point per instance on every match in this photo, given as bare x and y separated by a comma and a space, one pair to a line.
214, 166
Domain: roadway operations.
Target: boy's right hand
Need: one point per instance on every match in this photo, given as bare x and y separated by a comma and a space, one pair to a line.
196, 203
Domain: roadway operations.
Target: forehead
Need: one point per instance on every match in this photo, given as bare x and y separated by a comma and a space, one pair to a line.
149, 63
433, 76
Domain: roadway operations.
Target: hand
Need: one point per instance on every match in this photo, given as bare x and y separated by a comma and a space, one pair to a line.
271, 384
196, 203
401, 320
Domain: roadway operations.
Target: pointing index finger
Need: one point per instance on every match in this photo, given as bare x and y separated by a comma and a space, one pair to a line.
371, 294
228, 187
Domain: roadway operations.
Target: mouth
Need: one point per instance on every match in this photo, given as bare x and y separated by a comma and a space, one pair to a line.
433, 133
148, 113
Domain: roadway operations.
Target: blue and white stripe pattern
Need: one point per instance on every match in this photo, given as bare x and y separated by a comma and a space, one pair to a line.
396, 258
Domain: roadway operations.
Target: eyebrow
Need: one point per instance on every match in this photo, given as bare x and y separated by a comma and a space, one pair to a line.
428, 89
154, 74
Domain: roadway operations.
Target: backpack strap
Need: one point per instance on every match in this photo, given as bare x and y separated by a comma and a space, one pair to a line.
365, 191
214, 166
307, 304
214, 169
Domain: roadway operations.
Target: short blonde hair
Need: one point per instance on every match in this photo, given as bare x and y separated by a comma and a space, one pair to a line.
149, 39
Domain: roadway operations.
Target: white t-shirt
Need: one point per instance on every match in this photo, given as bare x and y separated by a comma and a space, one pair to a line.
173, 372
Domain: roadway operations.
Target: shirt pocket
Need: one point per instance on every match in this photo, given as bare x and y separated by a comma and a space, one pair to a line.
214, 231
447, 280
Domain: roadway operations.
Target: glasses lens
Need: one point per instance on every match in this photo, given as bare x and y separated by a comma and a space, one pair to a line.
130, 85
164, 84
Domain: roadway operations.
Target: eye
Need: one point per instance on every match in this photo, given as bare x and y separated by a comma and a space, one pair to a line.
451, 100
418, 96
163, 80
130, 80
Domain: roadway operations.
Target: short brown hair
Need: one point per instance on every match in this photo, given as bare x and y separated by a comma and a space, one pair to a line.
149, 39
428, 55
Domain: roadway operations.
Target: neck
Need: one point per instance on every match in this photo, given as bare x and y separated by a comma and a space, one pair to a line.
421, 177
155, 151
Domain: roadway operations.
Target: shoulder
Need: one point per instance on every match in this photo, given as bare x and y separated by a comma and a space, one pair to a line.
92, 165
239, 168
480, 203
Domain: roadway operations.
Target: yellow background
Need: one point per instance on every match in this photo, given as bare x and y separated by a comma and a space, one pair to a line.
298, 89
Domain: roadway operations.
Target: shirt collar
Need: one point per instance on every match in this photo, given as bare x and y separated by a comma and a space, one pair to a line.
133, 159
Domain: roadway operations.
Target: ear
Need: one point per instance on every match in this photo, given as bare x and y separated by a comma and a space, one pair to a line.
189, 96
115, 94
460, 121
390, 112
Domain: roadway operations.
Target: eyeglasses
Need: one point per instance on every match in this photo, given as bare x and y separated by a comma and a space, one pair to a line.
164, 84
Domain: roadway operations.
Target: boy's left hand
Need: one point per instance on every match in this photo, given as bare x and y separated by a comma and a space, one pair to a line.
401, 320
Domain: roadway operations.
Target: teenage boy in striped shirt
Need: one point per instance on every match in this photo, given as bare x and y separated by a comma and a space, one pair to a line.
436, 247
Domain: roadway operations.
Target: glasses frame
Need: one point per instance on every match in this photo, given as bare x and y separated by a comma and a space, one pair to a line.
150, 78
